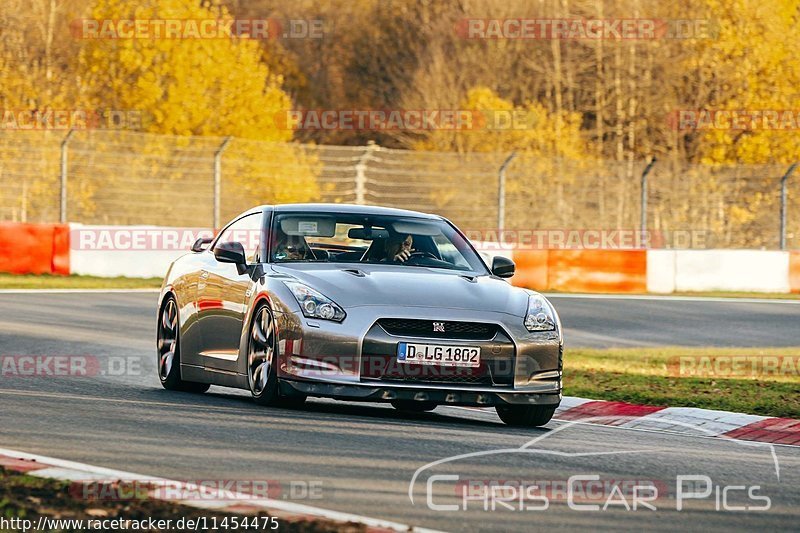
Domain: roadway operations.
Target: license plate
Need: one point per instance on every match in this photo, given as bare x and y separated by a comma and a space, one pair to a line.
438, 354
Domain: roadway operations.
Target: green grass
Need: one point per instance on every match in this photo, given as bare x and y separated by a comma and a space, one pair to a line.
652, 376
47, 281
723, 294
28, 497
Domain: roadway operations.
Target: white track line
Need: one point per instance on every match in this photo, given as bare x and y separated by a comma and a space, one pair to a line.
76, 291
70, 470
653, 297
488, 413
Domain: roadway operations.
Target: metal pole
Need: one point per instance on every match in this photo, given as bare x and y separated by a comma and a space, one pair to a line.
63, 202
218, 179
784, 179
643, 223
361, 172
501, 194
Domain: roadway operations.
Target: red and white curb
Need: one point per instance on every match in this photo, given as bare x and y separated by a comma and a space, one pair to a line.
679, 420
228, 501
685, 420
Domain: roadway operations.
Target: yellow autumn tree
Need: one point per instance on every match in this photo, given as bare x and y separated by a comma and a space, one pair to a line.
749, 69
34, 82
191, 86
549, 149
754, 67
497, 125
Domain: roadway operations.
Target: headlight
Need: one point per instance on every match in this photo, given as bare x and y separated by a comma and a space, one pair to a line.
314, 304
540, 316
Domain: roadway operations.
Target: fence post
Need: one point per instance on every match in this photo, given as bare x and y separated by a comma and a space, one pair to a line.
218, 179
501, 193
63, 201
361, 172
23, 215
784, 179
643, 222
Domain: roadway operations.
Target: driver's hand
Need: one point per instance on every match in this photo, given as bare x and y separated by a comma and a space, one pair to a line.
403, 256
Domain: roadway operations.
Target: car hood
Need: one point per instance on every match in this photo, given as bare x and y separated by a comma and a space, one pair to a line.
398, 285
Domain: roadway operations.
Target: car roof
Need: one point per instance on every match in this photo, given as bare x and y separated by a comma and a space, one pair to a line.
347, 208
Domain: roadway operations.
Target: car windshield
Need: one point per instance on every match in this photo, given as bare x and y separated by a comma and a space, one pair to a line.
358, 238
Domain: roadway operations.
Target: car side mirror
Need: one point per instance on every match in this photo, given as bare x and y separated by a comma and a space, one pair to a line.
200, 244
230, 252
502, 267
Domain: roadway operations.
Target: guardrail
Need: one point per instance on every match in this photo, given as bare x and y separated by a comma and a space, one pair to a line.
130, 251
34, 248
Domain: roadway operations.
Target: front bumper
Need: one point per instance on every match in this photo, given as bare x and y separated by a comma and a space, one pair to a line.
442, 396
321, 358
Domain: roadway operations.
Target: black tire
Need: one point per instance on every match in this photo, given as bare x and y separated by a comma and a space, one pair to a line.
262, 362
525, 415
168, 352
413, 406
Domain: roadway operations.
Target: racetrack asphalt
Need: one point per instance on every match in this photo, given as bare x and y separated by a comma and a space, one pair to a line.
363, 456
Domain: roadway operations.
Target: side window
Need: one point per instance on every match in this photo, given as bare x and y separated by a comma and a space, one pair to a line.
247, 231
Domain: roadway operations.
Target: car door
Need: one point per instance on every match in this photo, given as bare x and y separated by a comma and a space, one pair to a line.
222, 294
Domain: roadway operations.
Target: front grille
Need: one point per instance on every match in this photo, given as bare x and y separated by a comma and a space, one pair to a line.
408, 327
379, 352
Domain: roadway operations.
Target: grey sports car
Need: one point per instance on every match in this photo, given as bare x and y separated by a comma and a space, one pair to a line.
357, 303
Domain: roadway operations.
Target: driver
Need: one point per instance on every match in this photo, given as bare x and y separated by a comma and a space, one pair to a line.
285, 250
399, 249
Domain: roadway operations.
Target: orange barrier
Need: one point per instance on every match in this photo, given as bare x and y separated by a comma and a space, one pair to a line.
531, 269
794, 271
597, 270
34, 248
582, 270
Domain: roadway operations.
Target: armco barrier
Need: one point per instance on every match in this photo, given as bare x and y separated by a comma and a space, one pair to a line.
582, 270
661, 271
53, 249
34, 248
794, 271
532, 269
61, 250
732, 270
127, 261
597, 270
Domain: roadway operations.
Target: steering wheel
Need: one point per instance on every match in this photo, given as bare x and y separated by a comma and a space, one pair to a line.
420, 255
